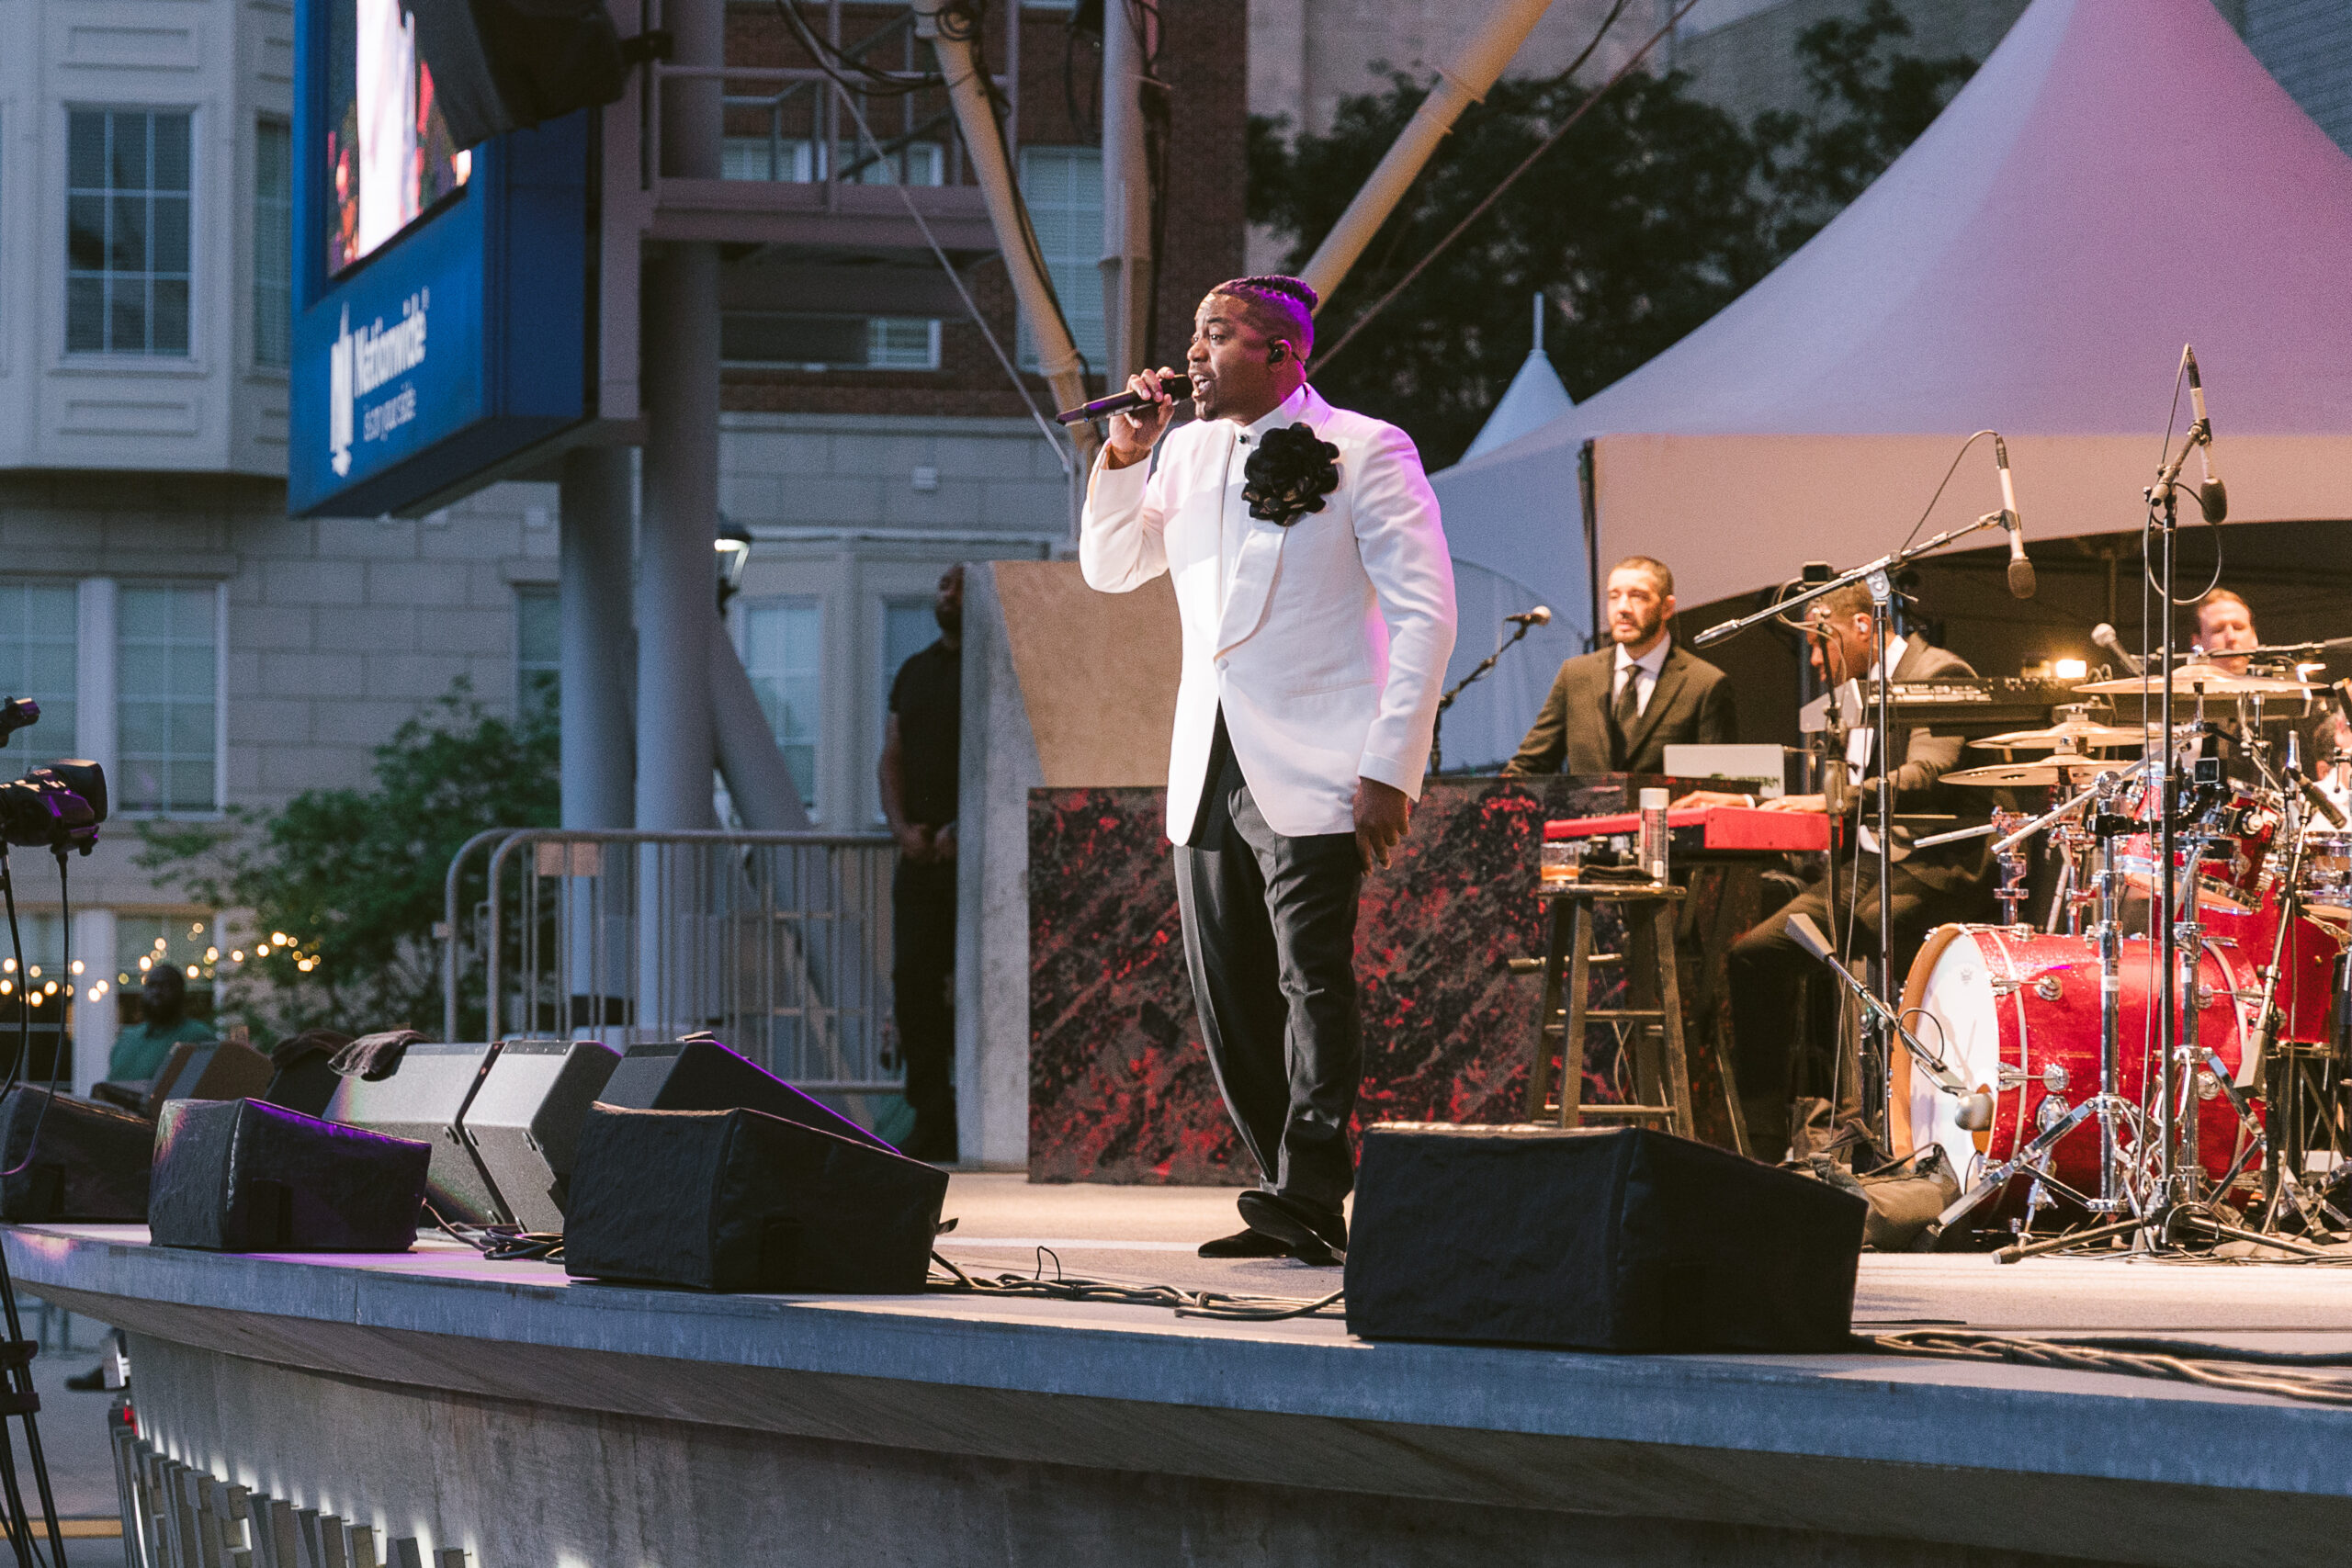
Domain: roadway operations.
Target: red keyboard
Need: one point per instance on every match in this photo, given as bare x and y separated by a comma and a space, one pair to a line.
1709, 830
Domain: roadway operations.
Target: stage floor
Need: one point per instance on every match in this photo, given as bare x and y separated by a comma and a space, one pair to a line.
1142, 1234
1853, 1447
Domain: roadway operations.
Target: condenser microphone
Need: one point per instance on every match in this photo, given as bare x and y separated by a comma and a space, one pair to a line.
2021, 568
1103, 408
2104, 635
2209, 495
1539, 616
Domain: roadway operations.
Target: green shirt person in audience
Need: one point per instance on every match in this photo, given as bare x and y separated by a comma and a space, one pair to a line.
138, 1051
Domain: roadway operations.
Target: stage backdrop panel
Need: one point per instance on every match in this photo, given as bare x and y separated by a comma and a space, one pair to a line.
1119, 1083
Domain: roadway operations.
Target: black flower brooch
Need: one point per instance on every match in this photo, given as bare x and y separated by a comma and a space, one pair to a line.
1289, 474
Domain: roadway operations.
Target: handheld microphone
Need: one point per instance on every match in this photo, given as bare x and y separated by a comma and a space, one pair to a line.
2104, 635
1539, 616
2021, 568
1103, 408
2209, 495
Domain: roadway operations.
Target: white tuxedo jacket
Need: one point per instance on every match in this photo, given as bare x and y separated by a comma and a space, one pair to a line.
1325, 641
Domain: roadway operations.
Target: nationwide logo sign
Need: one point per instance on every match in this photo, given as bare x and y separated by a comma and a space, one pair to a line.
362, 363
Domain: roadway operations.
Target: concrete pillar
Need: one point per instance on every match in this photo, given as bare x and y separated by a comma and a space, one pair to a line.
1127, 199
599, 756
94, 1020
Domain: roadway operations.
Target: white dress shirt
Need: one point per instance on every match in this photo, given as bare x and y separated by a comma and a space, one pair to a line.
1644, 670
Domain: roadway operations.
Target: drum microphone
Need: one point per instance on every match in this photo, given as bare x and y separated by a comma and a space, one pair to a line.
1103, 408
1539, 616
2021, 568
2209, 495
2104, 635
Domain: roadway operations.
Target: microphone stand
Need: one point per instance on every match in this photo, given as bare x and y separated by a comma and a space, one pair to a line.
1879, 576
1437, 728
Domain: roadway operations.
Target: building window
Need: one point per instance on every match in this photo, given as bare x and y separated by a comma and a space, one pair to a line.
272, 243
1064, 188
784, 340
908, 627
796, 160
783, 649
539, 652
166, 669
40, 659
127, 232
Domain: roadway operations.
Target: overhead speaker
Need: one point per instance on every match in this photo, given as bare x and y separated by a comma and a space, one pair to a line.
209, 1069
744, 1201
71, 1159
703, 1075
524, 1122
246, 1176
425, 1098
1597, 1239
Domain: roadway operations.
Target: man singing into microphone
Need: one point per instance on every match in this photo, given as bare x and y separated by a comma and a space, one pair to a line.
1316, 599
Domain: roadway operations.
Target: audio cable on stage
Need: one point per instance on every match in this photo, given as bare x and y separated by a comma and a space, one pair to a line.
1183, 1302
2286, 1374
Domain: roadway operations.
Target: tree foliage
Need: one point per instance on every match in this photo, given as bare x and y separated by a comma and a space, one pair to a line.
1651, 214
356, 877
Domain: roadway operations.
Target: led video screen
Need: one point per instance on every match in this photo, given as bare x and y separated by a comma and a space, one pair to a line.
389, 156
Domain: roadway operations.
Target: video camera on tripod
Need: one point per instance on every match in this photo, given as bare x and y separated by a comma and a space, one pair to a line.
57, 808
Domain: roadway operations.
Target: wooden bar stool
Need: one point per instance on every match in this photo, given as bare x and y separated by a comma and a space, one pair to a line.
1654, 995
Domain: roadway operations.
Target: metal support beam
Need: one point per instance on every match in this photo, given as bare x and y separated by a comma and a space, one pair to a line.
1463, 81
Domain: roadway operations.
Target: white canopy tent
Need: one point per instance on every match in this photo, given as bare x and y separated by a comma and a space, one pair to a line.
1484, 727
2116, 179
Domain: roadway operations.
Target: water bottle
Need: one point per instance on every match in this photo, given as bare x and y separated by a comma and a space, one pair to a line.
1653, 834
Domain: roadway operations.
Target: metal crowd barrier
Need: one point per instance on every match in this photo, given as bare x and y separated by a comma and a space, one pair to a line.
779, 943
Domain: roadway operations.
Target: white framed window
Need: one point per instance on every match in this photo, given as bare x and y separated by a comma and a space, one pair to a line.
792, 340
272, 243
1064, 188
127, 233
40, 650
796, 160
538, 651
167, 670
783, 653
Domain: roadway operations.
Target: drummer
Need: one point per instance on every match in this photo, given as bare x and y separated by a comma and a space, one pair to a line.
2225, 622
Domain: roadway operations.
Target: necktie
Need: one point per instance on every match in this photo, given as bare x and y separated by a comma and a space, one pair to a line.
1622, 715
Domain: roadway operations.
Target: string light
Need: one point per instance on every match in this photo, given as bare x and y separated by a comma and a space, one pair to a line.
191, 971
75, 966
145, 964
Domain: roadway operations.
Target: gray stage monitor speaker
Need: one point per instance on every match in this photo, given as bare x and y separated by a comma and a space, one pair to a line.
425, 1099
524, 1123
209, 1069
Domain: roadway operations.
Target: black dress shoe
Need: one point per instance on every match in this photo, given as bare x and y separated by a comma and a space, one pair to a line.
1245, 1244
1313, 1238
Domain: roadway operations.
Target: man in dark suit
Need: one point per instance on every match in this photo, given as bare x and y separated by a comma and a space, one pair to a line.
1617, 710
1929, 887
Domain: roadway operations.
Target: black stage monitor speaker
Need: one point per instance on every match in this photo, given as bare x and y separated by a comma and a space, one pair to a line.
524, 1123
703, 1075
1597, 1239
208, 1069
742, 1200
245, 1176
82, 1160
425, 1098
306, 1084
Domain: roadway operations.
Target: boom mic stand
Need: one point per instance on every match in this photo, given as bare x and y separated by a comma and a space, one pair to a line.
1879, 576
1437, 727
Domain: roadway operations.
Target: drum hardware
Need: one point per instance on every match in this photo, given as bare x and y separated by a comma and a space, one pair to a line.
2012, 893
1974, 1109
2204, 679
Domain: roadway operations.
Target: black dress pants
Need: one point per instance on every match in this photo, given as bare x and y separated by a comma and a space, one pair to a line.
923, 980
1767, 971
1270, 929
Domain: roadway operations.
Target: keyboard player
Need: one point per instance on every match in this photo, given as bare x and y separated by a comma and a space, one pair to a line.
1929, 887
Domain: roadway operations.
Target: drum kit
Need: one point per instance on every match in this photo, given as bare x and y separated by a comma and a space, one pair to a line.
2060, 1023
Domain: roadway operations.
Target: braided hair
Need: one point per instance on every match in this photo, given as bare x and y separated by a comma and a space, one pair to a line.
1287, 303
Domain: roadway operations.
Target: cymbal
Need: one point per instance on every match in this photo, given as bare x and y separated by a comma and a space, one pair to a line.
2068, 735
2057, 768
2190, 679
